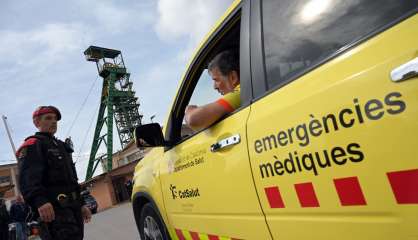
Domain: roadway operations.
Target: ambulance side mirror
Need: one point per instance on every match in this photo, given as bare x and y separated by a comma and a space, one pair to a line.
149, 135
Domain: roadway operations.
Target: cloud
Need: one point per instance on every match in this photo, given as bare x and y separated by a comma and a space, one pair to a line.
34, 63
188, 18
157, 86
112, 17
40, 48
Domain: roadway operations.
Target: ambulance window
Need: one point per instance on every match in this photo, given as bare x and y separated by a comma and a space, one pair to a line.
298, 35
202, 90
203, 94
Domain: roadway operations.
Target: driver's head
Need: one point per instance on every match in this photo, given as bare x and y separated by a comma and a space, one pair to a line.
224, 70
45, 119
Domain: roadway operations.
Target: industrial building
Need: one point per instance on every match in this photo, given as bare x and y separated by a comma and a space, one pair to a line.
110, 188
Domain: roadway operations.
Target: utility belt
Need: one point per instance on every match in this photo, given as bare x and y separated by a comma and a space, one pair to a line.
68, 199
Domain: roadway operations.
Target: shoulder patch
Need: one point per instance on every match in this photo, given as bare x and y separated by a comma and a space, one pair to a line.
29, 141
21, 152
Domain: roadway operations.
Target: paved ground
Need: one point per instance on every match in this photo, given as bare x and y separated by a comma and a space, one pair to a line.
113, 224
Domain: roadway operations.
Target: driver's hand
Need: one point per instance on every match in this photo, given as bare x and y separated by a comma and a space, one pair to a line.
190, 108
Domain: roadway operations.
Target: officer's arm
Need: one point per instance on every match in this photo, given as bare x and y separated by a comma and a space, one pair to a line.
32, 166
201, 117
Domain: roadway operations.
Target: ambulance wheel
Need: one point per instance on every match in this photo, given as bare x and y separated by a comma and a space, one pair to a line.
151, 227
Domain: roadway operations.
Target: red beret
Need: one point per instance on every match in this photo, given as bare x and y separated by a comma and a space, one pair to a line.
46, 109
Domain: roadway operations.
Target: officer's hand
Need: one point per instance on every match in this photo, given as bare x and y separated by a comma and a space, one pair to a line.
85, 212
46, 212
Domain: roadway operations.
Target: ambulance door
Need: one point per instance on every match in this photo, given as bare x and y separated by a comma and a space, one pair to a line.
206, 176
332, 131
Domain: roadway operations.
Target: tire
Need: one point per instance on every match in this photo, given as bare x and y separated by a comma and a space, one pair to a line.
151, 227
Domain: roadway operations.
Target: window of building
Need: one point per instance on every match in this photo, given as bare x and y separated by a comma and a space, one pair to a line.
134, 156
5, 180
122, 161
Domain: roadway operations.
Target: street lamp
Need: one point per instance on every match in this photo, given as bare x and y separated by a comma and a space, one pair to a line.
152, 117
14, 153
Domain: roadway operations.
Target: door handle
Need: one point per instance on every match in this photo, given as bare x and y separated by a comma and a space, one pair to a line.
405, 71
229, 141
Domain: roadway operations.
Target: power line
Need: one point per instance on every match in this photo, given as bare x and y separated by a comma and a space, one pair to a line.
87, 132
86, 159
81, 107
81, 155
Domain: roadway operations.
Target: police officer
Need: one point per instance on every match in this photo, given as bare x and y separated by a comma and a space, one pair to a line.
48, 179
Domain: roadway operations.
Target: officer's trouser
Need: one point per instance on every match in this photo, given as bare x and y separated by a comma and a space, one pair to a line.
21, 231
68, 224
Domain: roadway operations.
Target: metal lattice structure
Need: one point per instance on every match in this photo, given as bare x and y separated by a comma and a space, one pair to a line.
118, 101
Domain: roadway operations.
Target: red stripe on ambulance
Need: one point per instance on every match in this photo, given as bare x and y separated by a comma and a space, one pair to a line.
274, 197
404, 186
195, 235
180, 235
213, 237
349, 191
306, 195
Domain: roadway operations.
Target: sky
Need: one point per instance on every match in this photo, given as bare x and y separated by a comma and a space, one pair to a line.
42, 62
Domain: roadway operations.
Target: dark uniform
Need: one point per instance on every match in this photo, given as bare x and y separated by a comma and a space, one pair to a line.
47, 174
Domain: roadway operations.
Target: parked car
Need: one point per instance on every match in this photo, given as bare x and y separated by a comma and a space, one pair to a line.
323, 145
90, 201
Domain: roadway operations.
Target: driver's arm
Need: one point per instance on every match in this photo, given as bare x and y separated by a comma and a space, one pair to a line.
201, 117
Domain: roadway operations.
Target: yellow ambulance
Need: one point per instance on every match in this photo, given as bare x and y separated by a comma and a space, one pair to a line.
324, 144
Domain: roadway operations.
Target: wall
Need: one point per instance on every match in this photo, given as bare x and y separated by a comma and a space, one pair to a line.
102, 191
6, 179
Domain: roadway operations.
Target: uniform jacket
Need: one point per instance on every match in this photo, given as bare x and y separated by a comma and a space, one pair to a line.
46, 170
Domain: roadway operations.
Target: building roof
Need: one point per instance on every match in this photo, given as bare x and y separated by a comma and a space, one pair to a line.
99, 52
113, 172
8, 165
